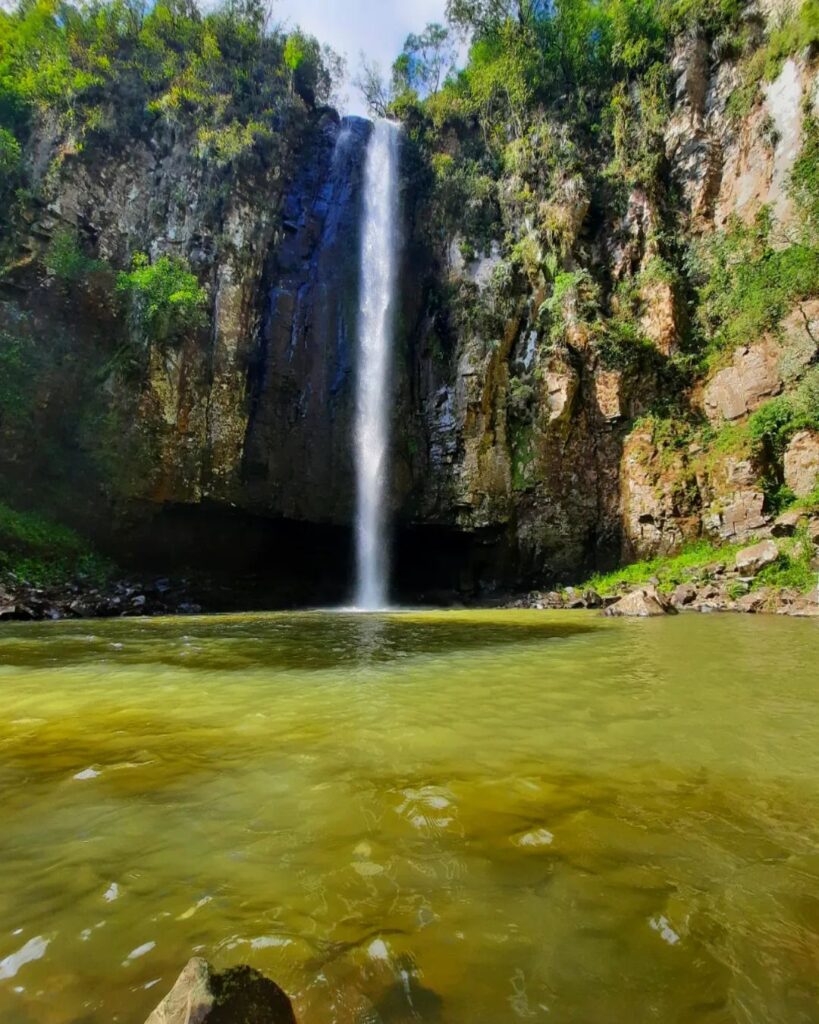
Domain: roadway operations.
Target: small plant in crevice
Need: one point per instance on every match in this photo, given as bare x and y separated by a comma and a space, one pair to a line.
66, 259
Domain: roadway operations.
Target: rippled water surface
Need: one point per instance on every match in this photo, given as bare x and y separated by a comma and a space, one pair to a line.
458, 817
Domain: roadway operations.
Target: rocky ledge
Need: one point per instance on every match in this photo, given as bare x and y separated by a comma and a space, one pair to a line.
21, 601
735, 585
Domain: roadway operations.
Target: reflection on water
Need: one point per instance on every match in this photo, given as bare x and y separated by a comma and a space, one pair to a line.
450, 817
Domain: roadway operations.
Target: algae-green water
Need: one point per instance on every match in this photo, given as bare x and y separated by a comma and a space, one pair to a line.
450, 817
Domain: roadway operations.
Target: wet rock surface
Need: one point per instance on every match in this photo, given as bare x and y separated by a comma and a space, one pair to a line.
239, 995
20, 601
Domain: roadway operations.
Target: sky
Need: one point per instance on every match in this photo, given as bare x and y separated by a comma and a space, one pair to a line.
378, 27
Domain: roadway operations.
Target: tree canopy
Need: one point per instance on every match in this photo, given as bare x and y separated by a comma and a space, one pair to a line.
109, 64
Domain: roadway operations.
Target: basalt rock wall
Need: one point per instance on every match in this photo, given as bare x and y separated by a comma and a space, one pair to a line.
516, 460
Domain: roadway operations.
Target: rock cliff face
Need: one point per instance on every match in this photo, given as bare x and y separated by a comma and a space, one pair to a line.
167, 451
537, 450
297, 455
516, 460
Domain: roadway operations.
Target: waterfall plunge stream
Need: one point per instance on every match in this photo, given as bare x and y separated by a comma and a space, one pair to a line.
375, 333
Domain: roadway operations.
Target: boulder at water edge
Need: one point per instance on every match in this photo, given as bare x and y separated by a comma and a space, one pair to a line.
239, 995
757, 556
643, 603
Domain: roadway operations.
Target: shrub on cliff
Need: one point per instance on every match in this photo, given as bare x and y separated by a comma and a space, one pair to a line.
10, 154
746, 282
66, 260
105, 67
166, 299
773, 425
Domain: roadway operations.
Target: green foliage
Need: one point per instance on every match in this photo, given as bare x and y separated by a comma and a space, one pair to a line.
778, 497
42, 552
810, 502
464, 201
166, 60
46, 60
66, 260
314, 70
798, 32
295, 51
636, 119
521, 396
746, 280
229, 141
425, 61
746, 285
17, 382
622, 345
529, 51
668, 433
773, 425
792, 570
575, 297
523, 455
10, 156
804, 183
167, 301
670, 570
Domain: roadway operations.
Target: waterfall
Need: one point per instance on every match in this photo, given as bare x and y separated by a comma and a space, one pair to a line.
373, 392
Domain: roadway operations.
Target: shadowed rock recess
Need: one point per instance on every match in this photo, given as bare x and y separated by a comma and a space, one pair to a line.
567, 394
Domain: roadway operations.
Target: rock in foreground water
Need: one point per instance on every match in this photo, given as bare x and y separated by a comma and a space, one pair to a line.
239, 995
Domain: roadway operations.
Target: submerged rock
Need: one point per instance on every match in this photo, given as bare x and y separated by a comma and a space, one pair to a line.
642, 603
239, 995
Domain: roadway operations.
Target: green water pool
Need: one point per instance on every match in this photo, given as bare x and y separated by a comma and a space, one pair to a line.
461, 817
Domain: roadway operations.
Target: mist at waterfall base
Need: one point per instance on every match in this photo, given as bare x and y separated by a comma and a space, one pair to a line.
375, 337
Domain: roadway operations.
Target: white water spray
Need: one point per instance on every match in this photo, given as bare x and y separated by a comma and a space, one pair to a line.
375, 331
